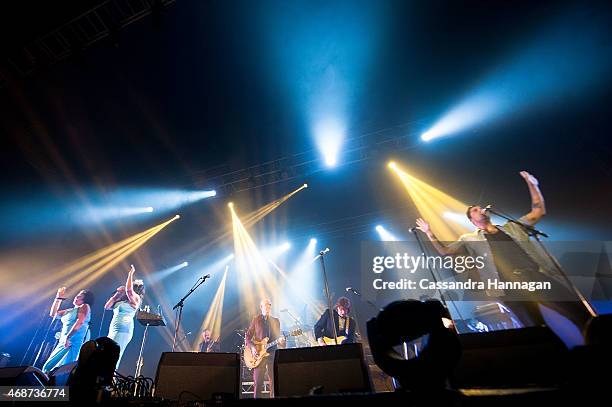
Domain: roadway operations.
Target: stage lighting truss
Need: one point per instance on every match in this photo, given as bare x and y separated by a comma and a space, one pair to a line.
378, 145
102, 21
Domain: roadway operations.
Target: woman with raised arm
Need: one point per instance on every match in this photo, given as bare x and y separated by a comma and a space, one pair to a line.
75, 324
124, 303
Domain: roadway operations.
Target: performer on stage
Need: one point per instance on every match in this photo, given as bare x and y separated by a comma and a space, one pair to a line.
208, 345
125, 303
345, 325
511, 256
264, 326
75, 326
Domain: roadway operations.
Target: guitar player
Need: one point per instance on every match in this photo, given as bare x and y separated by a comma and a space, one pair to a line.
264, 326
208, 344
345, 325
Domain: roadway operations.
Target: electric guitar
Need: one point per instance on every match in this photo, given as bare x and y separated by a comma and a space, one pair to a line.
262, 349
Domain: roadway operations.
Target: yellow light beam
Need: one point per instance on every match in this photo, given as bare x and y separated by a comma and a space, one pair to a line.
255, 281
432, 203
93, 272
262, 212
214, 316
57, 275
120, 254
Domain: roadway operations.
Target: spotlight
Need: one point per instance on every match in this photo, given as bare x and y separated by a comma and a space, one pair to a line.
313, 241
392, 165
330, 160
230, 205
162, 274
305, 185
149, 209
199, 195
329, 134
273, 253
428, 135
385, 235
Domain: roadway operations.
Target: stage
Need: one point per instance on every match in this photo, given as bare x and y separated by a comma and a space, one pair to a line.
336, 202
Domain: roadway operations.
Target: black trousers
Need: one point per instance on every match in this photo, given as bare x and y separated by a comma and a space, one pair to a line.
259, 375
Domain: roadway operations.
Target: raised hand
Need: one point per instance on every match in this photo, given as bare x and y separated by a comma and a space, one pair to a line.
61, 292
423, 226
132, 269
530, 179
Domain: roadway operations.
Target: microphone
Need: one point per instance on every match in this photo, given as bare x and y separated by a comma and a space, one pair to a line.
324, 251
412, 229
352, 290
205, 277
487, 208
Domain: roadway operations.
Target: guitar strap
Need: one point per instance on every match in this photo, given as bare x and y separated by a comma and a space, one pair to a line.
346, 326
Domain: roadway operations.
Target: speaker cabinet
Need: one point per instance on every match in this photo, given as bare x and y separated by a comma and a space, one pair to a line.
195, 376
60, 375
320, 370
23, 376
511, 358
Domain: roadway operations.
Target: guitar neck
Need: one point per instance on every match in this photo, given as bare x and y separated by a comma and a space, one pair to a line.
274, 342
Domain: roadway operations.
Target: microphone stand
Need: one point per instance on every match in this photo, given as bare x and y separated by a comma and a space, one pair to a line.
422, 247
40, 325
329, 302
535, 233
180, 305
44, 340
296, 320
101, 322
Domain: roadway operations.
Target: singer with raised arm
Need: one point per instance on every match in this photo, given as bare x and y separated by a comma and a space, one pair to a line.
264, 329
124, 303
75, 324
511, 256
345, 325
